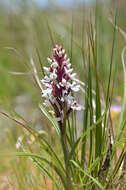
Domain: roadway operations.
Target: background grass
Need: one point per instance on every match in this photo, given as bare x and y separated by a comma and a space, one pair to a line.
26, 29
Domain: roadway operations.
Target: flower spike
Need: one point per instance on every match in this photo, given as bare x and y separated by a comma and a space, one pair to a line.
60, 84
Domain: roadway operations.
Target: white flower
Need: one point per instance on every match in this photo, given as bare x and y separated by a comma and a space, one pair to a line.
47, 93
53, 75
62, 99
60, 53
46, 69
76, 106
75, 87
45, 80
69, 65
68, 71
63, 51
19, 141
49, 60
58, 85
73, 75
65, 56
48, 85
70, 100
54, 64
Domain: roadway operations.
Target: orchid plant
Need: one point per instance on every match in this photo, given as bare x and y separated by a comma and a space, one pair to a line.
85, 160
60, 85
57, 88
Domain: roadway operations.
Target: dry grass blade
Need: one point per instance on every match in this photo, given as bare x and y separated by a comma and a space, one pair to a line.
21, 123
35, 74
123, 34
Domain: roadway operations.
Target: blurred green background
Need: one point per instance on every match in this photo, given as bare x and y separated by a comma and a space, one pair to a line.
25, 27
28, 27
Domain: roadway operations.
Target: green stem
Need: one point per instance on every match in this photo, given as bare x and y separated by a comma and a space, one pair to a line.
65, 152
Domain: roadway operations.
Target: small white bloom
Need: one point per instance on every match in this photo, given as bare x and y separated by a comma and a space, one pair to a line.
53, 75
46, 79
46, 103
47, 92
60, 53
42, 81
76, 106
68, 71
65, 56
64, 81
58, 85
67, 61
63, 94
58, 119
48, 85
62, 99
61, 84
69, 100
68, 85
69, 65
47, 69
54, 64
75, 88
19, 141
63, 51
49, 60
72, 75
73, 83
52, 99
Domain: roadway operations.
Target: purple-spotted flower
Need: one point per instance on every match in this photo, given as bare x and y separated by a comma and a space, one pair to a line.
60, 84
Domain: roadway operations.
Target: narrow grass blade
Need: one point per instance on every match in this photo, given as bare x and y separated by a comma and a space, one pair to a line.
50, 164
82, 137
91, 177
98, 131
54, 124
85, 124
117, 166
90, 107
21, 122
110, 75
40, 61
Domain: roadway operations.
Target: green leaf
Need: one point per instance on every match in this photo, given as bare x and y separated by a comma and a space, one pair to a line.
91, 177
50, 164
54, 124
80, 139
